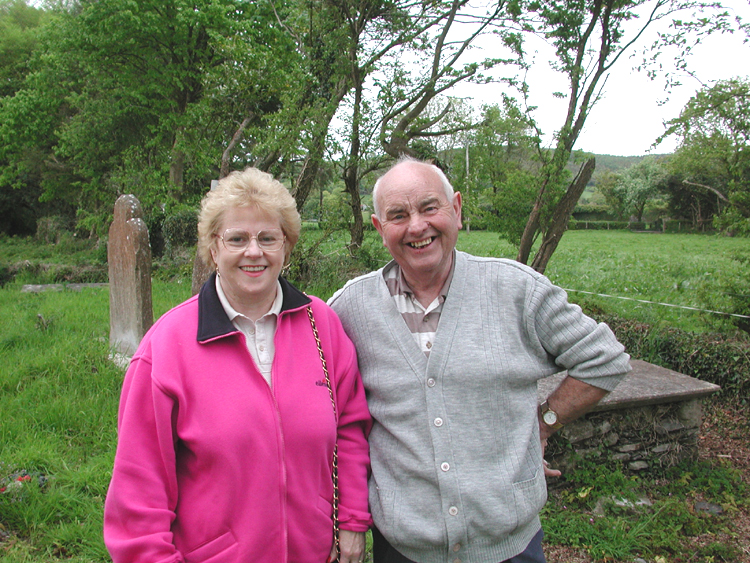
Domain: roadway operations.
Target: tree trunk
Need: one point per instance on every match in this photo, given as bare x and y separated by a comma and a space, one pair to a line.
563, 210
177, 171
351, 172
310, 167
357, 229
529, 231
226, 156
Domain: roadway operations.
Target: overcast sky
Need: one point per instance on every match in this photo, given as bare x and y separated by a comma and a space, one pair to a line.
629, 118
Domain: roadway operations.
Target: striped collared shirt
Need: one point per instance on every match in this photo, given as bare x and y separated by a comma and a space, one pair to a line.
422, 321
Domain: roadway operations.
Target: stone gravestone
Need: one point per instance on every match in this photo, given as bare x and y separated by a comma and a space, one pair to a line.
129, 258
201, 270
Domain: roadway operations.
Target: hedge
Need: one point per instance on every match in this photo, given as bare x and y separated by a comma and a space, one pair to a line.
716, 358
596, 225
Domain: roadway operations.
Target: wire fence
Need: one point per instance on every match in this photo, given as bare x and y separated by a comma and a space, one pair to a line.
698, 309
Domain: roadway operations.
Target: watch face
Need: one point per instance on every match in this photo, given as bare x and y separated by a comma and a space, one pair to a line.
549, 418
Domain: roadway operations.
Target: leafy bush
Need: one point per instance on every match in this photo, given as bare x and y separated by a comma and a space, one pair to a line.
180, 229
716, 358
317, 269
51, 229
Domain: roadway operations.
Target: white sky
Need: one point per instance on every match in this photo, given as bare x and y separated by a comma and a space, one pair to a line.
629, 118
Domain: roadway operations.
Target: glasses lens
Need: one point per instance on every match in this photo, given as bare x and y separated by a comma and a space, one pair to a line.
236, 239
271, 239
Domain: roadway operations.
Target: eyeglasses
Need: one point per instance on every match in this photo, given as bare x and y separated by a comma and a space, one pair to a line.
237, 240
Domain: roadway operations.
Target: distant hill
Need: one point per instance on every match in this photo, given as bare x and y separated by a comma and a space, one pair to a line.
611, 163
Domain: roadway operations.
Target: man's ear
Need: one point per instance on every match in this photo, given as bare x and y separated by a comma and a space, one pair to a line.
457, 202
378, 226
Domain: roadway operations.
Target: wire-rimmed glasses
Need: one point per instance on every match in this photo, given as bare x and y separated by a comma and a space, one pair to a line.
237, 240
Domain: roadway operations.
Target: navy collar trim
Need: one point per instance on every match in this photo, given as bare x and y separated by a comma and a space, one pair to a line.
212, 319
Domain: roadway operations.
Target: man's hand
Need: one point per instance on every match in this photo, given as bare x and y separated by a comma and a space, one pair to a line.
352, 546
548, 471
570, 400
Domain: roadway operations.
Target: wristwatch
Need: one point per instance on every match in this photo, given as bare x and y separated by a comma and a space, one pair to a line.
549, 417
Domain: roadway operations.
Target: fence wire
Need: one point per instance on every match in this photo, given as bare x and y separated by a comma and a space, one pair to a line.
658, 303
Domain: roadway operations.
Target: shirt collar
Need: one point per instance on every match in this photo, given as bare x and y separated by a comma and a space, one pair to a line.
232, 313
401, 286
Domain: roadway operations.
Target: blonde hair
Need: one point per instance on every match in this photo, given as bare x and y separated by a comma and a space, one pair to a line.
250, 187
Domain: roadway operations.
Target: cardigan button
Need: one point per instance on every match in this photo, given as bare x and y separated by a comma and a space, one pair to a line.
431, 382
438, 422
453, 511
445, 466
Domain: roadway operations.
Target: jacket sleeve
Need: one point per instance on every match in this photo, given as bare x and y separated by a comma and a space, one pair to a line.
139, 509
354, 424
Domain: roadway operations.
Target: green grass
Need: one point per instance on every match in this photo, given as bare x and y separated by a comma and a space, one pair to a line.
59, 395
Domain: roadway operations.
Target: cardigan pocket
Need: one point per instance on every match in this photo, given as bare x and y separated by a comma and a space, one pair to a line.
530, 496
382, 503
218, 550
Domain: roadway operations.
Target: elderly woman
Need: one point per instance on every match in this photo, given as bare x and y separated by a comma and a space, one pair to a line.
235, 404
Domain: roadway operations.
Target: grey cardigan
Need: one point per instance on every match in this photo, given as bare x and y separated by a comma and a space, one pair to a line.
456, 456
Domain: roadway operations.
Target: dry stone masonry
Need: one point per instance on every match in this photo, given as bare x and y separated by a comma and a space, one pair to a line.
652, 419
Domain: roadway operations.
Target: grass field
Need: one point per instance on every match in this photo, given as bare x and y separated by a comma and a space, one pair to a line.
59, 394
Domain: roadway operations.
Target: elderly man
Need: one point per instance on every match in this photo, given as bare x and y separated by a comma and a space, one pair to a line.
450, 348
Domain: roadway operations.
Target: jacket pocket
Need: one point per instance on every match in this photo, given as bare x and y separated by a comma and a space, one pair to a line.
218, 550
325, 506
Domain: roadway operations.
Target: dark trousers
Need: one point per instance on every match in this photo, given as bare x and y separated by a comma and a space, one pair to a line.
384, 552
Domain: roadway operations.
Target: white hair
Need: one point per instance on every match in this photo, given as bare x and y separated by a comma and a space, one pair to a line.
408, 159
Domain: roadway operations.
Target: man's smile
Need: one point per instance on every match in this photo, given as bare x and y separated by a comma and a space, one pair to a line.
421, 243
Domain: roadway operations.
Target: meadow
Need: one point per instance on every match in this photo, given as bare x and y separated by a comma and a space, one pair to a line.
59, 394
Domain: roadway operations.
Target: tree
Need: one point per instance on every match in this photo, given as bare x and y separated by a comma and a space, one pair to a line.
19, 24
499, 188
640, 184
713, 157
398, 117
138, 97
589, 38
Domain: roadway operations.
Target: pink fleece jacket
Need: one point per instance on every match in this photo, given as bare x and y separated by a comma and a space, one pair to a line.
213, 465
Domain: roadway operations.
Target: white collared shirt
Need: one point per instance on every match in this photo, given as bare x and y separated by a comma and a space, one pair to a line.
259, 334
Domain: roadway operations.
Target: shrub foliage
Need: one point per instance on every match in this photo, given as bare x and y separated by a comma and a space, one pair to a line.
716, 358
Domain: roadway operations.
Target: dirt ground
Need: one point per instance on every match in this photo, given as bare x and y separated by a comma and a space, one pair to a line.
725, 434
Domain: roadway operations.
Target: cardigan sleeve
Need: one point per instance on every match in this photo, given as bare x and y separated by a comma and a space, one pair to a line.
354, 424
587, 349
140, 504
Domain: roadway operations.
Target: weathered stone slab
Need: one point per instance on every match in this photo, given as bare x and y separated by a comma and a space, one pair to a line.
39, 288
647, 384
129, 260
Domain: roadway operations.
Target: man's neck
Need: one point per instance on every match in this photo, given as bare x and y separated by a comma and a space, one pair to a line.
426, 288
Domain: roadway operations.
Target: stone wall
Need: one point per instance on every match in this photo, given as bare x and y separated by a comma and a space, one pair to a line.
651, 420
635, 438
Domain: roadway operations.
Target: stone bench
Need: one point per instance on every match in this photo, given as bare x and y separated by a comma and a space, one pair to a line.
652, 419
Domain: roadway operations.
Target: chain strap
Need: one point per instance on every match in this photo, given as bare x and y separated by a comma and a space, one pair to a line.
335, 464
